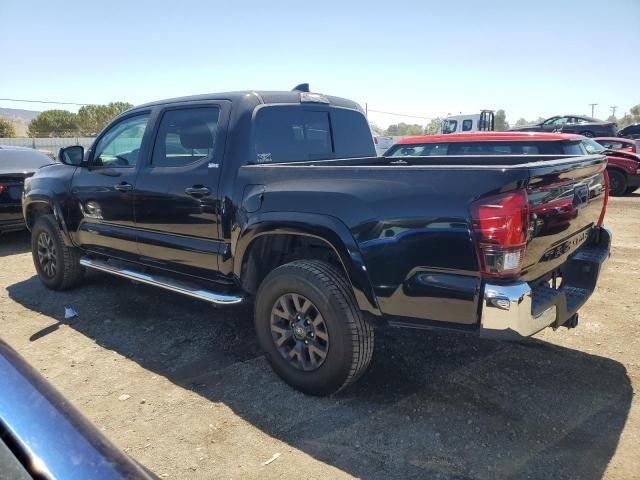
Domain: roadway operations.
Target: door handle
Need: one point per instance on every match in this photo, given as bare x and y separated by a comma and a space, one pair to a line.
123, 187
197, 191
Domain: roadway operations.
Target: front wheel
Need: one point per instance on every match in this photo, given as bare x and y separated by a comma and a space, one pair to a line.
631, 190
587, 133
617, 183
58, 266
310, 328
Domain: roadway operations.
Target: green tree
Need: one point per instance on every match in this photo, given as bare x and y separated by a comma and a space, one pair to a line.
522, 122
612, 118
632, 117
54, 123
402, 129
376, 129
7, 130
93, 118
501, 121
433, 127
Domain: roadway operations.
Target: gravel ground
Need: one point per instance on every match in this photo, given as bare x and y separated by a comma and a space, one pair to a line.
182, 388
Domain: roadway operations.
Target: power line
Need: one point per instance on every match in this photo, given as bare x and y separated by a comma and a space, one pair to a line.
400, 114
43, 101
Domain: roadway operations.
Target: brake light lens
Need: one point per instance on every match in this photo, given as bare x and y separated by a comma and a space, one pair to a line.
606, 198
1, 188
500, 227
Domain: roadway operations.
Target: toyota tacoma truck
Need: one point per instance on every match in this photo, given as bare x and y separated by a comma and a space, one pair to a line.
279, 199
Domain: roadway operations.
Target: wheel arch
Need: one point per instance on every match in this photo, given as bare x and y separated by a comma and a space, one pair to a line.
315, 228
39, 203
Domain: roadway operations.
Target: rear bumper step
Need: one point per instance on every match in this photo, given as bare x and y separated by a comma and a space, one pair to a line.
163, 282
520, 310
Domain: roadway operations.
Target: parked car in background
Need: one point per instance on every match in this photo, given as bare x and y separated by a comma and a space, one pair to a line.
16, 164
587, 126
281, 201
622, 166
618, 144
382, 143
630, 131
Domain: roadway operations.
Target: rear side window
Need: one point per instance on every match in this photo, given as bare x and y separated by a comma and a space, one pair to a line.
295, 133
467, 125
505, 148
185, 136
419, 150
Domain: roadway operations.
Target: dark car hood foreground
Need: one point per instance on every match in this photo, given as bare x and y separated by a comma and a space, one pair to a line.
46, 435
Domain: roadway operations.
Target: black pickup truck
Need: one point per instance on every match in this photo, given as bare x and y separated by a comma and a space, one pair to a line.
278, 198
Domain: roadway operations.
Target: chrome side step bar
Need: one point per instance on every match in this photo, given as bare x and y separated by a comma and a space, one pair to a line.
162, 282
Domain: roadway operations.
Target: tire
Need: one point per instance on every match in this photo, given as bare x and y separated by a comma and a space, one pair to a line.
630, 190
332, 313
617, 183
58, 266
587, 133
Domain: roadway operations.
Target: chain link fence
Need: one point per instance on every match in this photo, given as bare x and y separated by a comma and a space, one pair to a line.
47, 145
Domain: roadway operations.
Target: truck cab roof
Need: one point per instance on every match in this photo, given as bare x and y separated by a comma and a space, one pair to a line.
251, 98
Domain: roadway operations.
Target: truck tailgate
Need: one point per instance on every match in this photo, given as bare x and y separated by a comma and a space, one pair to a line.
565, 201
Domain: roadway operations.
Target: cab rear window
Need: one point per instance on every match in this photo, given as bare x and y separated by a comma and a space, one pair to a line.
289, 133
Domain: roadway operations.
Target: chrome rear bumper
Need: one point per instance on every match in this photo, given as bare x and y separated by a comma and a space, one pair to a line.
520, 309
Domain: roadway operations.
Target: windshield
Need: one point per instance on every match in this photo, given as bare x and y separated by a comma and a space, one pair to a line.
592, 147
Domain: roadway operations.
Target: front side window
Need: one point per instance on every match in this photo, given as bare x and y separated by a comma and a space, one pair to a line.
611, 145
120, 145
467, 125
592, 147
449, 126
556, 121
185, 136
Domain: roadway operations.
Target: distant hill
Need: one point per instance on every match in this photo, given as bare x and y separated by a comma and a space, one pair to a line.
20, 118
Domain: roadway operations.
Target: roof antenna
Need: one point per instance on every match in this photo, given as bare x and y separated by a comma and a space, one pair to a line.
303, 87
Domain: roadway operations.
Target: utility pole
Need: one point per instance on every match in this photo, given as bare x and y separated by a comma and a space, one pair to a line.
613, 111
593, 105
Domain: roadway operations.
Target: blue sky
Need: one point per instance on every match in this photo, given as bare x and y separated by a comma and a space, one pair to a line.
531, 58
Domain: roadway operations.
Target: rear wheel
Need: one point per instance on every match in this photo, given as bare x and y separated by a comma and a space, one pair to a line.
310, 327
58, 266
617, 183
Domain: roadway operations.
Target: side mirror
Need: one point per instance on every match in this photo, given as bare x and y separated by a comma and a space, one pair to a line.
71, 155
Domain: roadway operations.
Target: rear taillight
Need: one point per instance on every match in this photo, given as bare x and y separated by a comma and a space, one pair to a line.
606, 198
1, 188
500, 227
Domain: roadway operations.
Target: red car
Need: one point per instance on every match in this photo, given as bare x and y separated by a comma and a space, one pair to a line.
623, 168
617, 143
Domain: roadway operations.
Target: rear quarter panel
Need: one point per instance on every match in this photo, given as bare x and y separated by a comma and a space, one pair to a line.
410, 225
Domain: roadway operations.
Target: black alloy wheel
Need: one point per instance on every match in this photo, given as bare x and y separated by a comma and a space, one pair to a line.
47, 254
299, 332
